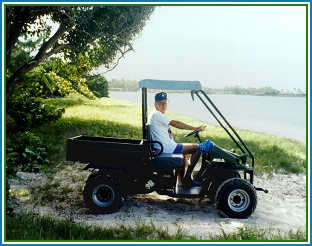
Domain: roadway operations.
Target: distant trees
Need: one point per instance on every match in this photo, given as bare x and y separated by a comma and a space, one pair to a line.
124, 85
132, 85
262, 91
251, 91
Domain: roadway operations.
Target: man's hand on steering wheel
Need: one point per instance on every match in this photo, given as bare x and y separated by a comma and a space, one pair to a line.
201, 128
198, 129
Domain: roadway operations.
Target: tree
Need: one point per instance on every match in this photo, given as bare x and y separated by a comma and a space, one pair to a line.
100, 35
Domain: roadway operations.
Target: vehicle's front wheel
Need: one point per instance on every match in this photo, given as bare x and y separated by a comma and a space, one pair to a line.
236, 198
102, 195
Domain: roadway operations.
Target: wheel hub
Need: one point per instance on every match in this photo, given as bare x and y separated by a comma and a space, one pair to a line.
238, 200
103, 195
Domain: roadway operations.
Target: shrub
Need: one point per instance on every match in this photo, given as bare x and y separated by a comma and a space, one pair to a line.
25, 152
28, 112
66, 78
98, 85
54, 78
10, 124
35, 84
59, 86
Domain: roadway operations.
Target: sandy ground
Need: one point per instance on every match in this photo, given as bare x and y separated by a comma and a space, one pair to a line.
282, 209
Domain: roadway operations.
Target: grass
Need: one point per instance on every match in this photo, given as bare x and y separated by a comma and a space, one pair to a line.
116, 118
259, 234
32, 227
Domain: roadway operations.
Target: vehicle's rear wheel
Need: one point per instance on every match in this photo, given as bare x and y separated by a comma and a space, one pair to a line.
236, 198
102, 195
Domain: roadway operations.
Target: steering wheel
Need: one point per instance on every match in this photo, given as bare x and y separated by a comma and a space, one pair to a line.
196, 132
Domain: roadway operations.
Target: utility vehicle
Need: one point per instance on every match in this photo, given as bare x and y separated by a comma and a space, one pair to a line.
121, 167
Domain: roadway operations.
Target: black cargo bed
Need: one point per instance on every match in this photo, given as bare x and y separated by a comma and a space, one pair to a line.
105, 151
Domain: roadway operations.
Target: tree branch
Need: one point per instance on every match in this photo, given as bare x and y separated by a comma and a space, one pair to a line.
119, 58
57, 50
47, 45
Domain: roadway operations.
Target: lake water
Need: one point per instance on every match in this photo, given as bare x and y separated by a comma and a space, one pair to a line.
280, 116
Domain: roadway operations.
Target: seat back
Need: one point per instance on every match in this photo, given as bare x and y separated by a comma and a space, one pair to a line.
148, 132
152, 150
163, 160
149, 139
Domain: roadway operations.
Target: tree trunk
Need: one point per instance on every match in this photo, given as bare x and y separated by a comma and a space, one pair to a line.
17, 76
11, 38
16, 19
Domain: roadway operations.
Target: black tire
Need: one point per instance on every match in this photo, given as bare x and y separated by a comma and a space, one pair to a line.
236, 198
102, 194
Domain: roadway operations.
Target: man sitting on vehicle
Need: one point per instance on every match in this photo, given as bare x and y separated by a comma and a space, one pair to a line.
160, 131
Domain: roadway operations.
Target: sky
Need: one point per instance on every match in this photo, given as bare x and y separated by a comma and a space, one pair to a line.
248, 46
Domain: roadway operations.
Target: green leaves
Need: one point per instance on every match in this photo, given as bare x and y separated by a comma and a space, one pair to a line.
98, 85
25, 152
54, 78
28, 112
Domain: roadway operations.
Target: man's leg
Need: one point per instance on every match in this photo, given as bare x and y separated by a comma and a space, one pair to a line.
188, 148
192, 149
181, 171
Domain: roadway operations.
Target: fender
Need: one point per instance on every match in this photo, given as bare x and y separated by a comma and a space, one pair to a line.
220, 187
120, 175
217, 175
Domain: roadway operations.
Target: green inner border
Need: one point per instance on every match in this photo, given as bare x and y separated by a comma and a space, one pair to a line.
164, 5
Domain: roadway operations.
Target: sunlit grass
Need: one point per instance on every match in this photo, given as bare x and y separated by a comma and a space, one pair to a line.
106, 109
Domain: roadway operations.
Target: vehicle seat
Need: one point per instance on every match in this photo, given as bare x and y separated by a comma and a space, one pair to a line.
163, 160
167, 160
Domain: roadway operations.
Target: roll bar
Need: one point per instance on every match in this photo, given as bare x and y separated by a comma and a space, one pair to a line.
144, 112
241, 142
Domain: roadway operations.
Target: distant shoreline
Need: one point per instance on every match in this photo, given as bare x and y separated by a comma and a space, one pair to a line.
132, 85
219, 93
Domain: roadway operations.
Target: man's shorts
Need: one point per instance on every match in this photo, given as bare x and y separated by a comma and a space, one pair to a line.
178, 149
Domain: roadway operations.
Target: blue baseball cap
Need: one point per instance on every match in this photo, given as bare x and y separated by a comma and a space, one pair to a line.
160, 96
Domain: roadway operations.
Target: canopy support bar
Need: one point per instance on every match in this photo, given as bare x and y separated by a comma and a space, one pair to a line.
144, 112
227, 123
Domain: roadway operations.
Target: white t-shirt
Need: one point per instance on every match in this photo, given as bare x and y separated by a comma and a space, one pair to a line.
160, 131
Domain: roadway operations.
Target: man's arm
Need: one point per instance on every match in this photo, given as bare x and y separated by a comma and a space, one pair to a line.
181, 125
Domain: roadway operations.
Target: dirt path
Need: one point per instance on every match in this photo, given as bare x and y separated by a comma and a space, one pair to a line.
282, 209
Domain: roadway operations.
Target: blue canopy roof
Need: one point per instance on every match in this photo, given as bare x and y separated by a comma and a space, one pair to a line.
169, 84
